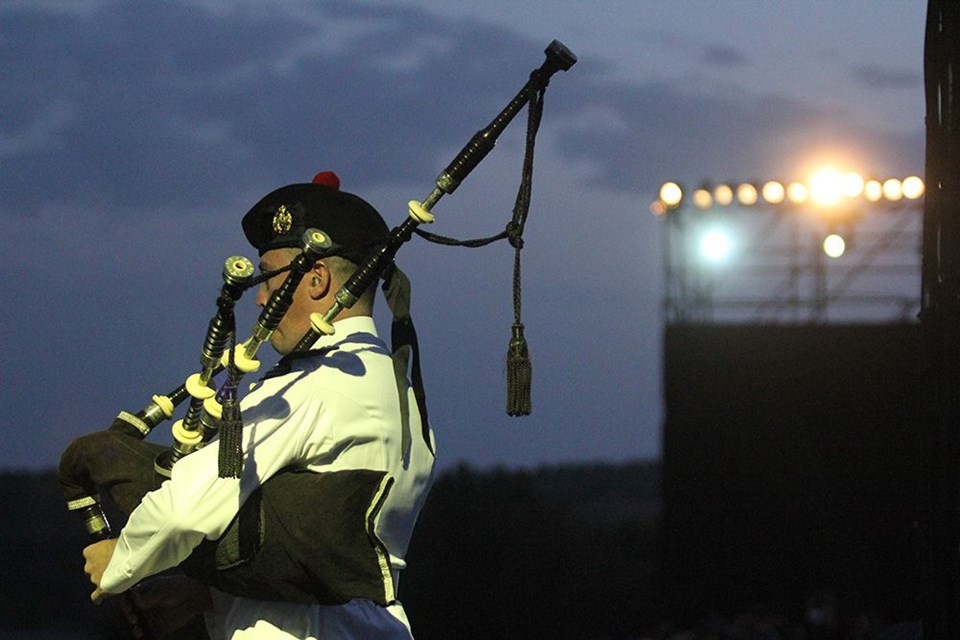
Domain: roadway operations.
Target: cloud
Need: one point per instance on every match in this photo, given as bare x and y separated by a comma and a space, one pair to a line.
724, 56
47, 123
206, 104
665, 132
55, 7
878, 78
175, 103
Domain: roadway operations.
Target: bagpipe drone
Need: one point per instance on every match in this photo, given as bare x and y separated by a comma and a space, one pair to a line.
119, 461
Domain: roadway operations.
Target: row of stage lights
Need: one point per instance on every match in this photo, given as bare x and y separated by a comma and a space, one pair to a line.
825, 188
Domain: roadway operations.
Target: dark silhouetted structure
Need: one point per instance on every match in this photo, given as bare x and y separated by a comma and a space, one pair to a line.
940, 318
792, 465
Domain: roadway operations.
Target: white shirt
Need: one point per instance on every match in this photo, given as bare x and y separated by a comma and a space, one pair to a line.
331, 413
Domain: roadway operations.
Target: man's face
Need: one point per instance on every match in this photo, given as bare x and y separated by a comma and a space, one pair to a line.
296, 322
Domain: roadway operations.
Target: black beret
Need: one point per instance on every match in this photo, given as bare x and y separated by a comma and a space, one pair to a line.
281, 217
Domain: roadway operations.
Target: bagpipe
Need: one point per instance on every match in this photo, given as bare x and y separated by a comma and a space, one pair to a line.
120, 463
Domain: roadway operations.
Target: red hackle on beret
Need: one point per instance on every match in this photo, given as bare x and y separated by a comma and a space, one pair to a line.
327, 179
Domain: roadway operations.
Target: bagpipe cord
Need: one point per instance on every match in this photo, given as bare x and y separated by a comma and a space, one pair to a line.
519, 364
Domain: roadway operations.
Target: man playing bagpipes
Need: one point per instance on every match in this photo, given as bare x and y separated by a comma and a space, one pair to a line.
303, 504
333, 463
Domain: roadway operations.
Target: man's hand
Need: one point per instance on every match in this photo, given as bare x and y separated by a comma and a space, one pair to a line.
97, 557
168, 604
163, 605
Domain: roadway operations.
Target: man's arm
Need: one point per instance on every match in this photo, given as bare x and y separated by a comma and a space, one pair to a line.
195, 503
170, 522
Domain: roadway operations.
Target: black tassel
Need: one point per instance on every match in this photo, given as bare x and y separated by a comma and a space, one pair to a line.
230, 458
519, 374
230, 461
230, 455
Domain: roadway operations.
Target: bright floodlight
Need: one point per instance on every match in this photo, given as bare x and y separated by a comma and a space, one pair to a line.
797, 192
723, 194
912, 187
834, 245
715, 245
826, 186
702, 198
873, 190
747, 194
773, 192
892, 189
671, 194
852, 184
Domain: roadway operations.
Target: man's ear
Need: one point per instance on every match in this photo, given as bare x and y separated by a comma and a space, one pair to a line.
319, 281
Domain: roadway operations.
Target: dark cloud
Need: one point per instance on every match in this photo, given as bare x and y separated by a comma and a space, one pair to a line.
668, 133
879, 78
724, 56
171, 105
150, 104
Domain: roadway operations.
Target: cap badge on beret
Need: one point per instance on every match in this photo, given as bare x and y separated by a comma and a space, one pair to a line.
282, 220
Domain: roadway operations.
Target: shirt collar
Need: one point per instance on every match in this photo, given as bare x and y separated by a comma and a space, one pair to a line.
344, 328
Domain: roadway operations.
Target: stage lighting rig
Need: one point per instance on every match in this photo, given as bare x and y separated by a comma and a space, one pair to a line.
837, 246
